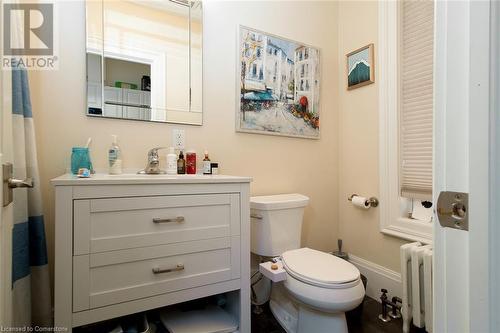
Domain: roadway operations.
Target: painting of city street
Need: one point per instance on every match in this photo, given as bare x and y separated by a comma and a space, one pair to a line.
279, 86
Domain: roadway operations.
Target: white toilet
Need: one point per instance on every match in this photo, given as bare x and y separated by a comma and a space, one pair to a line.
319, 287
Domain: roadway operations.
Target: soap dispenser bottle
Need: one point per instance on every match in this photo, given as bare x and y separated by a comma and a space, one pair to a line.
171, 162
115, 157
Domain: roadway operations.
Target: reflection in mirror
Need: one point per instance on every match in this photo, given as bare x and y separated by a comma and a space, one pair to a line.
144, 60
196, 56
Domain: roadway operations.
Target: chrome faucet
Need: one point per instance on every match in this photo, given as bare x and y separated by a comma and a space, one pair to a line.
153, 166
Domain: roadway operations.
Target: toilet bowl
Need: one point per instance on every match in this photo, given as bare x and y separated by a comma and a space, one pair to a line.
322, 288
318, 287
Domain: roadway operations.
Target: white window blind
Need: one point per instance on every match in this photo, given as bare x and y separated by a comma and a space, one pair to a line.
416, 98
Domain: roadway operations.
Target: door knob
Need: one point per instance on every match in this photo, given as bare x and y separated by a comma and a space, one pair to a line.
10, 183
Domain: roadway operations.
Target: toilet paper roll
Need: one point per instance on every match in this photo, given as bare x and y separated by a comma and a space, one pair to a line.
360, 202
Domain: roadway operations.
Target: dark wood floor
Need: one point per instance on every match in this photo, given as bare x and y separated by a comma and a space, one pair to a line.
365, 321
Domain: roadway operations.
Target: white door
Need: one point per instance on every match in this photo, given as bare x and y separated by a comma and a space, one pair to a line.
6, 213
462, 164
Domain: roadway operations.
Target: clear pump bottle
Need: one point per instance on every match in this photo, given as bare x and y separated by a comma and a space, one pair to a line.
115, 157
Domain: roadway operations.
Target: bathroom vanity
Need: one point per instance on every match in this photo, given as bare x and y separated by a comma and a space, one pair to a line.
131, 243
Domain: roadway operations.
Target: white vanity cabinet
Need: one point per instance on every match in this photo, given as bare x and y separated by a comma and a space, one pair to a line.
131, 243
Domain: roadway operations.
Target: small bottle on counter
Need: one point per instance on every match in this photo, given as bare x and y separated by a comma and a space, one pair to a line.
181, 164
171, 162
214, 167
191, 162
207, 169
115, 157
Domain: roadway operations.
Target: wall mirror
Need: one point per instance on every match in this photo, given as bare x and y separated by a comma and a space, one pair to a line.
144, 60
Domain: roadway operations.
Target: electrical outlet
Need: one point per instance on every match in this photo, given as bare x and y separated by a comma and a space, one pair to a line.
178, 138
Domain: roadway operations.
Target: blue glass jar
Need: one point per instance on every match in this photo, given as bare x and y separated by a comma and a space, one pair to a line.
80, 158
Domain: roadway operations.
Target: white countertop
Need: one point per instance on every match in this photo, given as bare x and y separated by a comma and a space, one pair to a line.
131, 178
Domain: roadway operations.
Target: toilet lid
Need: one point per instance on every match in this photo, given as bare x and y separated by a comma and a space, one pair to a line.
319, 268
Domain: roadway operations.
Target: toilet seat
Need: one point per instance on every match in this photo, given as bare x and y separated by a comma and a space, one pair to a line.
330, 300
320, 269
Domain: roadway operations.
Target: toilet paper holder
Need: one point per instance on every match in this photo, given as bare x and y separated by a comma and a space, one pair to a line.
372, 201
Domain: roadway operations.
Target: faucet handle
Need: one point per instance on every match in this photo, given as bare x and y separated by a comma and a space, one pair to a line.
397, 300
154, 151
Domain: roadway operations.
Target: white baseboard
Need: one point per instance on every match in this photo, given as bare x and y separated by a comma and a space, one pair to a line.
378, 277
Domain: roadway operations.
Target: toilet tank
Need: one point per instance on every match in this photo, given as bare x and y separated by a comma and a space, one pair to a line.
276, 223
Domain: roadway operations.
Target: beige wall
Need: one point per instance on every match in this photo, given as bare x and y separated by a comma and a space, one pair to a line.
277, 164
358, 150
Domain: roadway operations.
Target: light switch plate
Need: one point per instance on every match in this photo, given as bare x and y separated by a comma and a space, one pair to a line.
178, 138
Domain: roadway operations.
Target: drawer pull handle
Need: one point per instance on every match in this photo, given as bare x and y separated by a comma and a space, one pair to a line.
178, 219
158, 270
255, 216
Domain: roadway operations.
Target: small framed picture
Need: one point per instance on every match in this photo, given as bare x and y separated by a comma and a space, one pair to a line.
360, 67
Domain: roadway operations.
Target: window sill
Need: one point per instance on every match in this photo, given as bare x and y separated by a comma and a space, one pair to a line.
411, 230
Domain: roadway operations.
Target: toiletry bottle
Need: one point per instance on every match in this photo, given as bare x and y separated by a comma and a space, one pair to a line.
171, 162
206, 164
191, 162
214, 168
181, 164
115, 157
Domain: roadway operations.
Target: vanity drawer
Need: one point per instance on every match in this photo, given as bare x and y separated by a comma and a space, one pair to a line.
102, 225
103, 279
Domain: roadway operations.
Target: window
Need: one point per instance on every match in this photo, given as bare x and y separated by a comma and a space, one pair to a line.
254, 70
416, 98
406, 116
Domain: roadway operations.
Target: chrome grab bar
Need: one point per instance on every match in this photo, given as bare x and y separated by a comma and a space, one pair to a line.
158, 270
178, 219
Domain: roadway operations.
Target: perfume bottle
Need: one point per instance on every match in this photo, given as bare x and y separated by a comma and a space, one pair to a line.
181, 164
